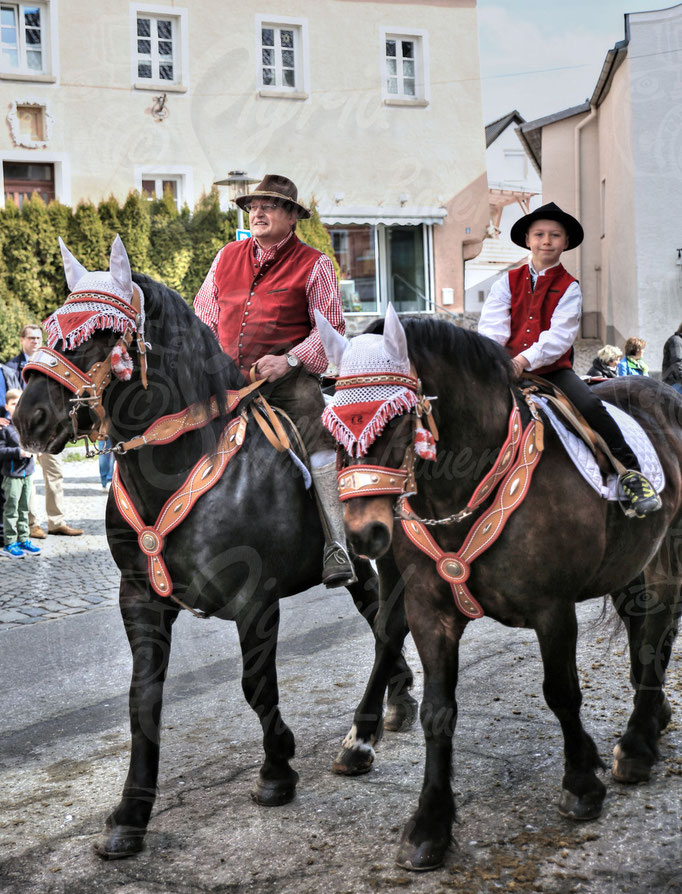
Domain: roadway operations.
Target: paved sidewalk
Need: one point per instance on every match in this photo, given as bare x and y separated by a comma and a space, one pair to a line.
71, 574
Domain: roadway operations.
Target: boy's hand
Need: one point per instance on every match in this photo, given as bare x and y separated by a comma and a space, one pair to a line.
3, 421
25, 453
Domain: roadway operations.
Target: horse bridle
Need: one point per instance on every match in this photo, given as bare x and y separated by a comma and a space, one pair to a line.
88, 387
364, 480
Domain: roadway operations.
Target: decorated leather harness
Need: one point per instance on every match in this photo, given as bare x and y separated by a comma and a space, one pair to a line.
507, 482
74, 323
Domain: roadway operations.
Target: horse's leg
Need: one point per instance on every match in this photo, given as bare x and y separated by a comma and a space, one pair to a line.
427, 834
401, 707
258, 638
148, 625
650, 609
582, 792
390, 669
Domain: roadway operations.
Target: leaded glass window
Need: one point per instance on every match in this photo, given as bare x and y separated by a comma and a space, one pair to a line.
279, 56
156, 41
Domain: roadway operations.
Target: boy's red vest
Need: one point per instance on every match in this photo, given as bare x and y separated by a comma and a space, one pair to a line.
532, 309
262, 310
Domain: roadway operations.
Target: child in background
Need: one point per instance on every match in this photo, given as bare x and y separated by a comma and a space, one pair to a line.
16, 467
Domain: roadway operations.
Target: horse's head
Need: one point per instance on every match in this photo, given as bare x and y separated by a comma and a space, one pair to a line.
372, 416
87, 342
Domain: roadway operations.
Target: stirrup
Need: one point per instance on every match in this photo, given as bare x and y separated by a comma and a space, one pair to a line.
337, 568
640, 497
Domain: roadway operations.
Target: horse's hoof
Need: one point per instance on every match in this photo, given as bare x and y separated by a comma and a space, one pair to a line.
630, 770
421, 857
353, 761
275, 792
401, 716
123, 841
586, 808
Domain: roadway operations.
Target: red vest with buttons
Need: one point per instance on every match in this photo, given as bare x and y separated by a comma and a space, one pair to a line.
532, 309
262, 309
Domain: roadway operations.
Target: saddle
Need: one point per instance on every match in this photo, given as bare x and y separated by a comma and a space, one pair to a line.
536, 385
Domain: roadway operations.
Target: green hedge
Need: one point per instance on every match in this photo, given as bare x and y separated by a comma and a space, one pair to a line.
173, 246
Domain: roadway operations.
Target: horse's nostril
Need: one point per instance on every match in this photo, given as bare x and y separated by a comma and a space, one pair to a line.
372, 541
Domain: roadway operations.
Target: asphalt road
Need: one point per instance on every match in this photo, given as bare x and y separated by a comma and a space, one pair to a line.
64, 755
64, 666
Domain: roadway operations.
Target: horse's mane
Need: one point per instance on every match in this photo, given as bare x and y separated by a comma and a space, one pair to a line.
466, 353
189, 351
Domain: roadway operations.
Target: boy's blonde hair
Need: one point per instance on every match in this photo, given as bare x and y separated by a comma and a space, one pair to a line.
12, 394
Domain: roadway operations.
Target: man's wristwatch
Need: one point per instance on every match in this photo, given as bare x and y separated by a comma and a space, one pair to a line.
292, 360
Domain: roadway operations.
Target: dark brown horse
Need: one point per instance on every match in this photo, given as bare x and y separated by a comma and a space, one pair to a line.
563, 545
252, 539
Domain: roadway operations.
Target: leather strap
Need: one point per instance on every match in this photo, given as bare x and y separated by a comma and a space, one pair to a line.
456, 567
272, 428
206, 473
370, 481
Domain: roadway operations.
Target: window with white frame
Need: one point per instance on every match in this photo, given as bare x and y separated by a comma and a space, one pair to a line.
404, 67
156, 48
159, 47
24, 38
280, 56
154, 186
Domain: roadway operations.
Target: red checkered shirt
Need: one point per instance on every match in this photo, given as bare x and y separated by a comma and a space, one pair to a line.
322, 292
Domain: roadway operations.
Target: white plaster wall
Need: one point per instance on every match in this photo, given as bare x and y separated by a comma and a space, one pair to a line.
619, 303
342, 138
655, 55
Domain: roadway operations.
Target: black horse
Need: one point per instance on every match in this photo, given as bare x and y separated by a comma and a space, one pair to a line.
252, 539
563, 545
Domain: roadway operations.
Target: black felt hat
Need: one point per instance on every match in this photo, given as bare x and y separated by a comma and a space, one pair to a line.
550, 211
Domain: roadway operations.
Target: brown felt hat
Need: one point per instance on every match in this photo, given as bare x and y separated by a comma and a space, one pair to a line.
548, 212
274, 186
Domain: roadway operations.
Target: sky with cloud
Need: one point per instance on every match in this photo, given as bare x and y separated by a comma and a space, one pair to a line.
542, 56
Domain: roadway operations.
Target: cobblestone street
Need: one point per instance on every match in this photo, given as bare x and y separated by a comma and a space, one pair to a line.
71, 574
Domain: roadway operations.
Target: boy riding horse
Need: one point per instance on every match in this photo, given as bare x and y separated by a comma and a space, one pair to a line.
534, 311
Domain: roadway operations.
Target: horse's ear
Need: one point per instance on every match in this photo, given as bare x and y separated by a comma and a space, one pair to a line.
119, 267
73, 269
395, 341
333, 342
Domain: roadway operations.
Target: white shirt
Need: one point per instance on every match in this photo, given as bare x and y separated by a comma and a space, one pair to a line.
495, 321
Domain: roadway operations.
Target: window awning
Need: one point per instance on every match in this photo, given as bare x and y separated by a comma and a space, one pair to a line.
388, 215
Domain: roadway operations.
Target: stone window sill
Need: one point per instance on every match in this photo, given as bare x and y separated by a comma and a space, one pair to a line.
282, 94
407, 103
35, 78
160, 87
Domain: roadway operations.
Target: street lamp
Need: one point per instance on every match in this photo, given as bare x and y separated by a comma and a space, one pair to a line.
237, 183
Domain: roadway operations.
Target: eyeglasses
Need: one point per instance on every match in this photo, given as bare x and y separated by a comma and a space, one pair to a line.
265, 207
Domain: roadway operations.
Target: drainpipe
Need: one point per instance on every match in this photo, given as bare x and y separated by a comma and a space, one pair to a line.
577, 175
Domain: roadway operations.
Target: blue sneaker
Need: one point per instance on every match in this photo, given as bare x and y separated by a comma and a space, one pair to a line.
14, 550
28, 547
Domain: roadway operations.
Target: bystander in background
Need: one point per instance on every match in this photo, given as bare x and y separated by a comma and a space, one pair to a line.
672, 360
31, 338
633, 363
17, 468
605, 364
